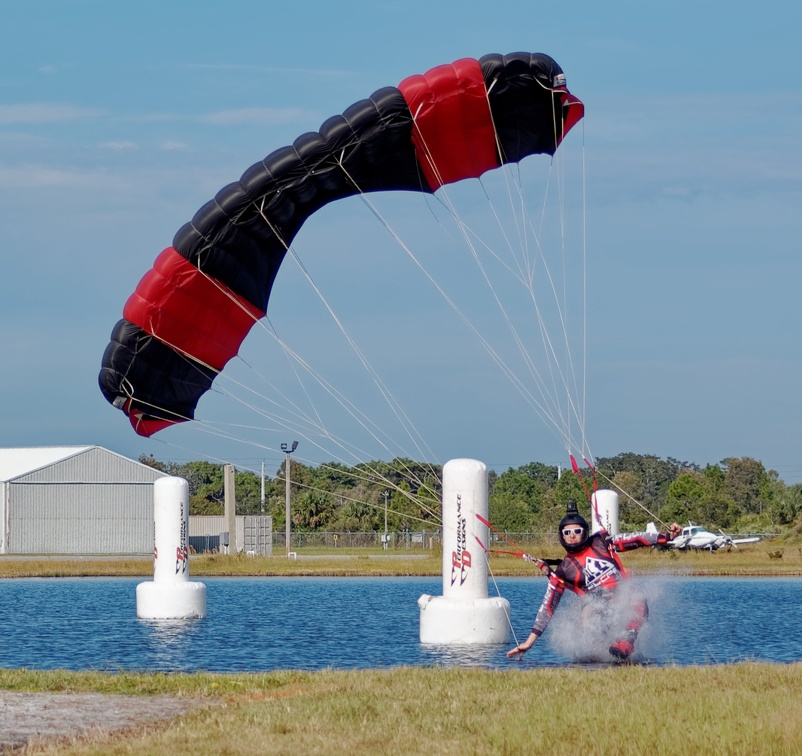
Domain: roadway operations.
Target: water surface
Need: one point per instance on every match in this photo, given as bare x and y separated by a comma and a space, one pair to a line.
262, 624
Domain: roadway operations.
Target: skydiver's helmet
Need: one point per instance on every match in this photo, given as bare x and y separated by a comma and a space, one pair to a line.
572, 517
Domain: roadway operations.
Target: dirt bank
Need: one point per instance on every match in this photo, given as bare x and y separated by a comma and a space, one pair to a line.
28, 716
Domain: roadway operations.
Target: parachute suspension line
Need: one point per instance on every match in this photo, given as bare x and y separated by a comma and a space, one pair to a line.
379, 476
316, 426
578, 413
431, 163
633, 499
306, 435
275, 418
183, 353
310, 425
378, 506
537, 406
582, 415
578, 473
585, 446
125, 386
193, 361
401, 416
306, 428
363, 420
546, 396
498, 593
395, 407
553, 361
568, 369
204, 427
529, 275
369, 426
519, 274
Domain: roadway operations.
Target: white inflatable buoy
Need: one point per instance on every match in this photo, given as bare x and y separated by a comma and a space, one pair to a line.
171, 595
464, 613
605, 511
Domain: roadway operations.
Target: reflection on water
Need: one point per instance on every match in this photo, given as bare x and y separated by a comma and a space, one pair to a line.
167, 640
463, 655
261, 624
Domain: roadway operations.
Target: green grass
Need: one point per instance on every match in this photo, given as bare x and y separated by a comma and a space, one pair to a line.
777, 558
744, 708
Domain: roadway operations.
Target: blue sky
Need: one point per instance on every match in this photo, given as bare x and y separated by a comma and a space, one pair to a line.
118, 121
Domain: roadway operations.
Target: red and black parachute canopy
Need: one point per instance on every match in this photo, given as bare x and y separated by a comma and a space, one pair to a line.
192, 310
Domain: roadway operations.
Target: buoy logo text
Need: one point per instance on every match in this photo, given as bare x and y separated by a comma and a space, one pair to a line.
461, 558
181, 551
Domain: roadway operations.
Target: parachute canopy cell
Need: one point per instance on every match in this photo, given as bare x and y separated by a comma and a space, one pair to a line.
191, 311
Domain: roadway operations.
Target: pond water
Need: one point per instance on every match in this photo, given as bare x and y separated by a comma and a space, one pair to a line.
263, 624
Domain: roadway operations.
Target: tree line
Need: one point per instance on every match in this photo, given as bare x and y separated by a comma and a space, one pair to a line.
737, 494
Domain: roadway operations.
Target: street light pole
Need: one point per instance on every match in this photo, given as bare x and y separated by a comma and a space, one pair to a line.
287, 451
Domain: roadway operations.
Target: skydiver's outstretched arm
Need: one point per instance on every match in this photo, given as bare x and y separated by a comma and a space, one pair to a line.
522, 648
554, 593
629, 541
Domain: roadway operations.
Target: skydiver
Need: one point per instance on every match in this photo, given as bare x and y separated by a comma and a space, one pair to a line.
592, 569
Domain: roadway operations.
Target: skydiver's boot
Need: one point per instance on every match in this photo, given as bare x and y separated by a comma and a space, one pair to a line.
622, 649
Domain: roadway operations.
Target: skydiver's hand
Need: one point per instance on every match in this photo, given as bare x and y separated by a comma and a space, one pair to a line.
522, 648
673, 531
539, 563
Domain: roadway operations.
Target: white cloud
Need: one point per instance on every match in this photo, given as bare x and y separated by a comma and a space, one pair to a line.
170, 146
316, 73
119, 146
39, 177
256, 116
44, 112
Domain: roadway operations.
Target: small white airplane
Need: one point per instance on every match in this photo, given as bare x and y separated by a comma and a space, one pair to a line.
697, 537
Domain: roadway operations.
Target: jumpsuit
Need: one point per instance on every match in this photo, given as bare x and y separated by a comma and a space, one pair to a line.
596, 571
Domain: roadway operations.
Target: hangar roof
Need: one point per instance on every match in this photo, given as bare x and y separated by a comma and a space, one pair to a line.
17, 462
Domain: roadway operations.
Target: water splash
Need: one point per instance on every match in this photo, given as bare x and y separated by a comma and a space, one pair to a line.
583, 628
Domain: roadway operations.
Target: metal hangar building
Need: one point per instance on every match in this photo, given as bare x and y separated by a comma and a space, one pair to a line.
75, 500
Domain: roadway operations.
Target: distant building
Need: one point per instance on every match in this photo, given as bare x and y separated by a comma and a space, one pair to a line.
254, 534
75, 500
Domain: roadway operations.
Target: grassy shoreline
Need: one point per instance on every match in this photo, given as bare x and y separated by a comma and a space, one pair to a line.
766, 559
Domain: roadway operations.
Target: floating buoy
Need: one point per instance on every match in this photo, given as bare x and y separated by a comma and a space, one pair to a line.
171, 594
605, 511
464, 613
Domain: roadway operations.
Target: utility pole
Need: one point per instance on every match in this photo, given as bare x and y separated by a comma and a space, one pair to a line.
287, 451
386, 537
262, 499
230, 508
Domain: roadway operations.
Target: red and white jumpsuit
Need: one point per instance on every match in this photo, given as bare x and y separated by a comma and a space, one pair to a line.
597, 570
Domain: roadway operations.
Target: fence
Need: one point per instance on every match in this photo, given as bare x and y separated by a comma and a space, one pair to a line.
409, 540
396, 540
420, 540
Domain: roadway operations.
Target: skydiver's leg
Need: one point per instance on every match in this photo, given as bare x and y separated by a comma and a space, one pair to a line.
639, 613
